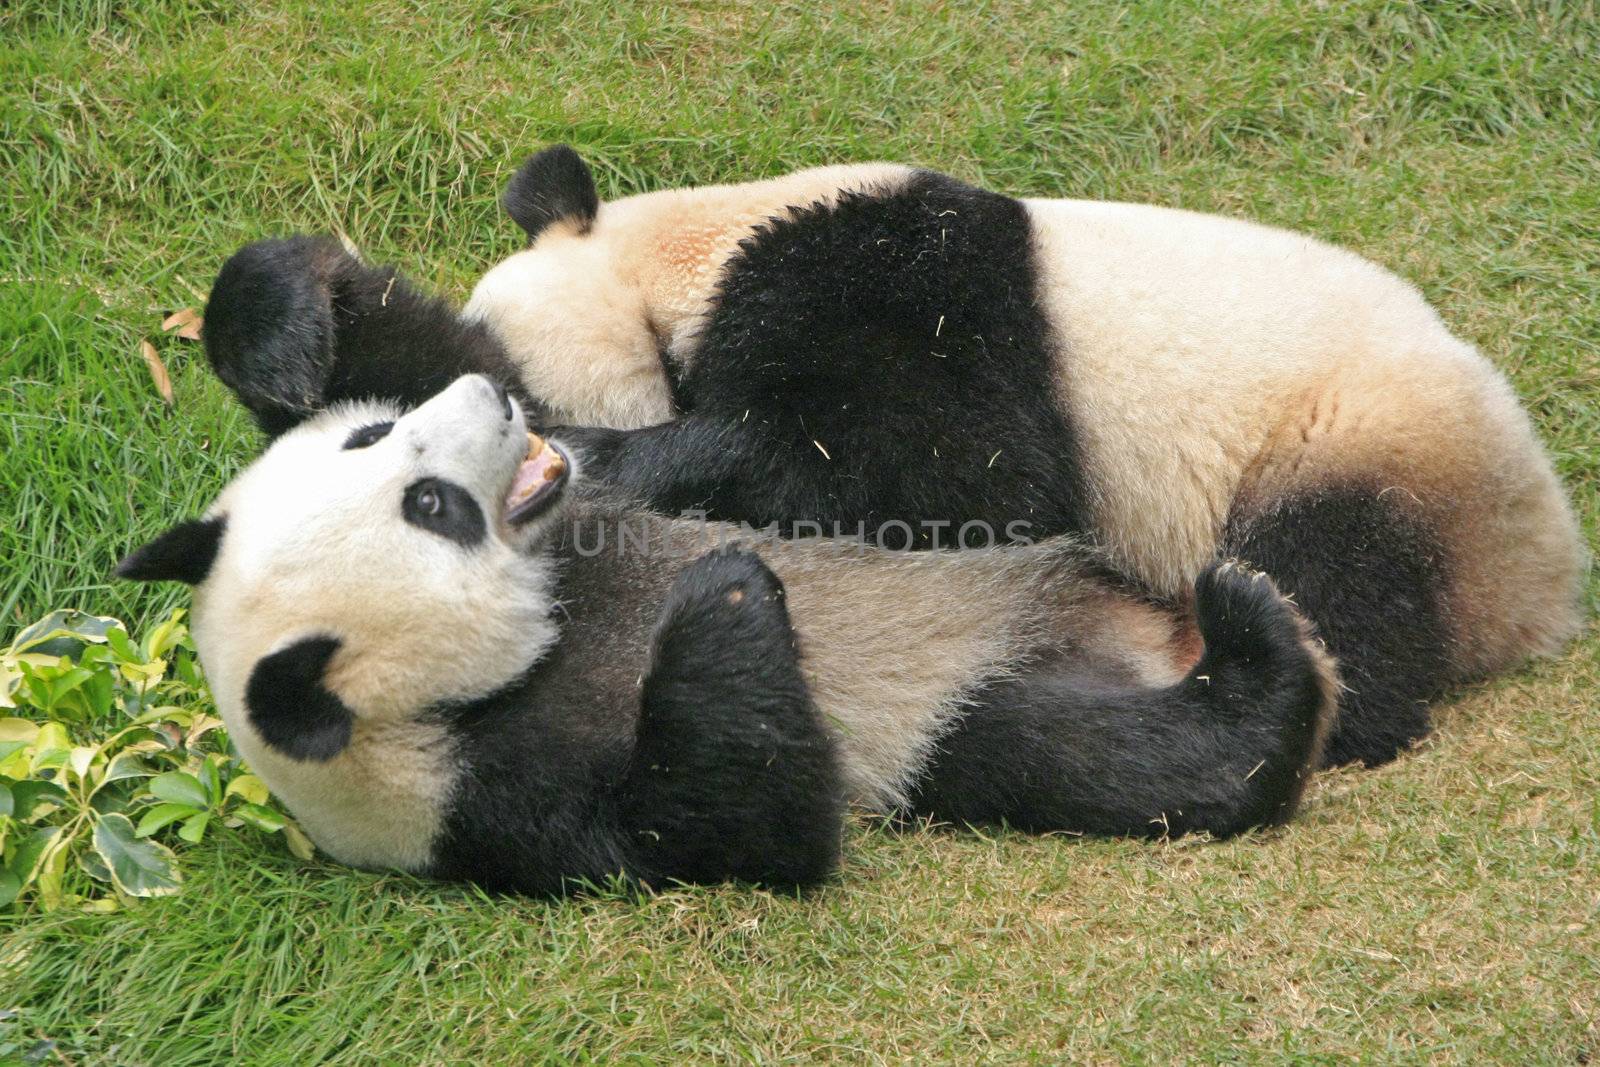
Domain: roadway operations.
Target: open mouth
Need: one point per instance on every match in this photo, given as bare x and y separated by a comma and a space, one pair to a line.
538, 481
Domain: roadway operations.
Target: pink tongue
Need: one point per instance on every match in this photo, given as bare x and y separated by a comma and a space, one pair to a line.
534, 473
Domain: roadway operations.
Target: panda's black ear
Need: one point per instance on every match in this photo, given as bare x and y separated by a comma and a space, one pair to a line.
290, 707
552, 186
184, 553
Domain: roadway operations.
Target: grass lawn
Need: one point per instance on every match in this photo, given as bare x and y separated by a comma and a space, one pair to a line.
1446, 907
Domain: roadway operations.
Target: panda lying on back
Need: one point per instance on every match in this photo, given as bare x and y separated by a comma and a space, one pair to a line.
865, 344
445, 657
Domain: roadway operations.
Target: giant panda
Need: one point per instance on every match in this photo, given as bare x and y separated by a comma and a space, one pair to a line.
446, 657
873, 345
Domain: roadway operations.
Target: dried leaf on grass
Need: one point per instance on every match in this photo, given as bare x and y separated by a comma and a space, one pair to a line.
158, 371
186, 322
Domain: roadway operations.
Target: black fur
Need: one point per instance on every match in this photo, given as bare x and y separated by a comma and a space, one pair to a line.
442, 507
552, 186
290, 707
1372, 577
296, 324
721, 770
367, 436
882, 359
1225, 750
184, 553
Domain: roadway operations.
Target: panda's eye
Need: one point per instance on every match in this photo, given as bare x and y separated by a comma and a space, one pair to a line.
444, 508
368, 435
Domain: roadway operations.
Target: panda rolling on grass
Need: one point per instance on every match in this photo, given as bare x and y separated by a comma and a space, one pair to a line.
422, 636
857, 344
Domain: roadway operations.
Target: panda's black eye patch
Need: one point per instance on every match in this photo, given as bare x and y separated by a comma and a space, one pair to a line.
444, 508
367, 435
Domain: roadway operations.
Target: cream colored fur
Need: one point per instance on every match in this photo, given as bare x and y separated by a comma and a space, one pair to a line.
1209, 359
1205, 361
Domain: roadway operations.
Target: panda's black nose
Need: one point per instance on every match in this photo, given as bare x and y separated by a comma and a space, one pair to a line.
505, 398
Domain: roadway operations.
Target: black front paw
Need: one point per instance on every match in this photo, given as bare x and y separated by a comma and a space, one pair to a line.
269, 326
730, 591
725, 628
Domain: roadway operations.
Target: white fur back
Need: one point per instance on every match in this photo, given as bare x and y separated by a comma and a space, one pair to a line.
1189, 338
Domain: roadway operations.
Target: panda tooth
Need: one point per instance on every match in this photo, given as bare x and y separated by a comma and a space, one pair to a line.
535, 444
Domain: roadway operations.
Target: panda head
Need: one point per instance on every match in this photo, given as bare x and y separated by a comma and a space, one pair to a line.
371, 565
570, 306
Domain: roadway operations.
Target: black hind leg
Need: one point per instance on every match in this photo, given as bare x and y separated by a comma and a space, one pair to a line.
1227, 749
1371, 577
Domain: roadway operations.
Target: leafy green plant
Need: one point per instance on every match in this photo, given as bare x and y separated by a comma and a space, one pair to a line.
108, 748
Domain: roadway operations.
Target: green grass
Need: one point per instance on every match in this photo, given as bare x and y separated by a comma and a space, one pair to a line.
1444, 908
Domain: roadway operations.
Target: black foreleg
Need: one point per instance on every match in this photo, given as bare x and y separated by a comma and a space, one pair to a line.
295, 324
1225, 750
688, 464
733, 774
741, 472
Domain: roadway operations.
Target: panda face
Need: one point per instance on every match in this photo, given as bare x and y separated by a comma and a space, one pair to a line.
405, 546
372, 566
